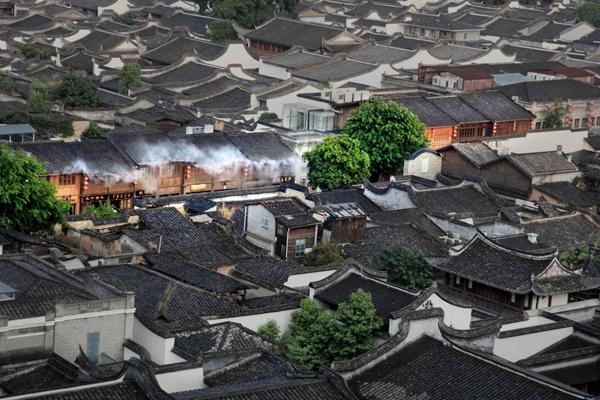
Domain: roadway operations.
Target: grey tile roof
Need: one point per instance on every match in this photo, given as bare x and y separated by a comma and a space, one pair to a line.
440, 21
336, 69
118, 391
296, 59
33, 22
288, 33
233, 99
550, 31
198, 24
406, 236
456, 53
428, 367
175, 49
269, 272
568, 193
404, 42
564, 231
93, 157
99, 40
543, 163
341, 196
266, 366
477, 153
548, 91
459, 110
455, 200
260, 146
491, 264
379, 54
222, 337
161, 300
496, 106
504, 27
177, 267
427, 111
39, 289
529, 54
189, 72
386, 297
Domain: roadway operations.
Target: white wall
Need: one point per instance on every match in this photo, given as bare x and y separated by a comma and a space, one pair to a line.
494, 56
272, 70
235, 54
302, 280
282, 318
393, 199
454, 316
181, 380
158, 346
534, 142
420, 57
517, 348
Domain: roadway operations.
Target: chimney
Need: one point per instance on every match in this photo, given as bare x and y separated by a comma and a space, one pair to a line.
532, 237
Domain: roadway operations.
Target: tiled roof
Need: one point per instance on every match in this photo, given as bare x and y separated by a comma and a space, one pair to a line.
456, 200
405, 236
288, 33
427, 367
477, 153
504, 27
569, 194
296, 59
222, 337
162, 300
266, 366
342, 196
543, 163
564, 231
440, 21
379, 54
94, 157
269, 271
175, 49
198, 24
189, 72
336, 69
118, 391
548, 91
404, 42
386, 297
488, 263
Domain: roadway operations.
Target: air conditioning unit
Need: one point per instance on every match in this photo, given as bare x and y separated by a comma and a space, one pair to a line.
195, 130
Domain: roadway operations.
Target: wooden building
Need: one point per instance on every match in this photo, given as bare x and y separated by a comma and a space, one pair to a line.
500, 279
344, 223
514, 174
117, 170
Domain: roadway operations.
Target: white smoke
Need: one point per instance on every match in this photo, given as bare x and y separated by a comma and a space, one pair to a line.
224, 162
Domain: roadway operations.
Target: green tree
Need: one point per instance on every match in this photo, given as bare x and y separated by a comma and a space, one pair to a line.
388, 132
576, 257
324, 254
76, 91
92, 132
130, 77
251, 13
309, 338
406, 267
270, 330
202, 5
222, 32
589, 12
317, 337
337, 162
356, 322
28, 200
7, 83
125, 18
268, 116
38, 99
100, 211
554, 117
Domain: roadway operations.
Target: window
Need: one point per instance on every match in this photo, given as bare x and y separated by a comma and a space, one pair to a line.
265, 222
538, 125
576, 123
597, 121
93, 346
300, 247
66, 180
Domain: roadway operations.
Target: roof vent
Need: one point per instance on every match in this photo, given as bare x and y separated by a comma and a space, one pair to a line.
6, 292
532, 237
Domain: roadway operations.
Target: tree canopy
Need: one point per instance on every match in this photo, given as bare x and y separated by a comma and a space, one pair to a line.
388, 132
92, 132
406, 267
324, 254
38, 98
336, 162
28, 201
555, 116
317, 337
130, 77
589, 12
99, 211
270, 330
76, 91
222, 31
249, 13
